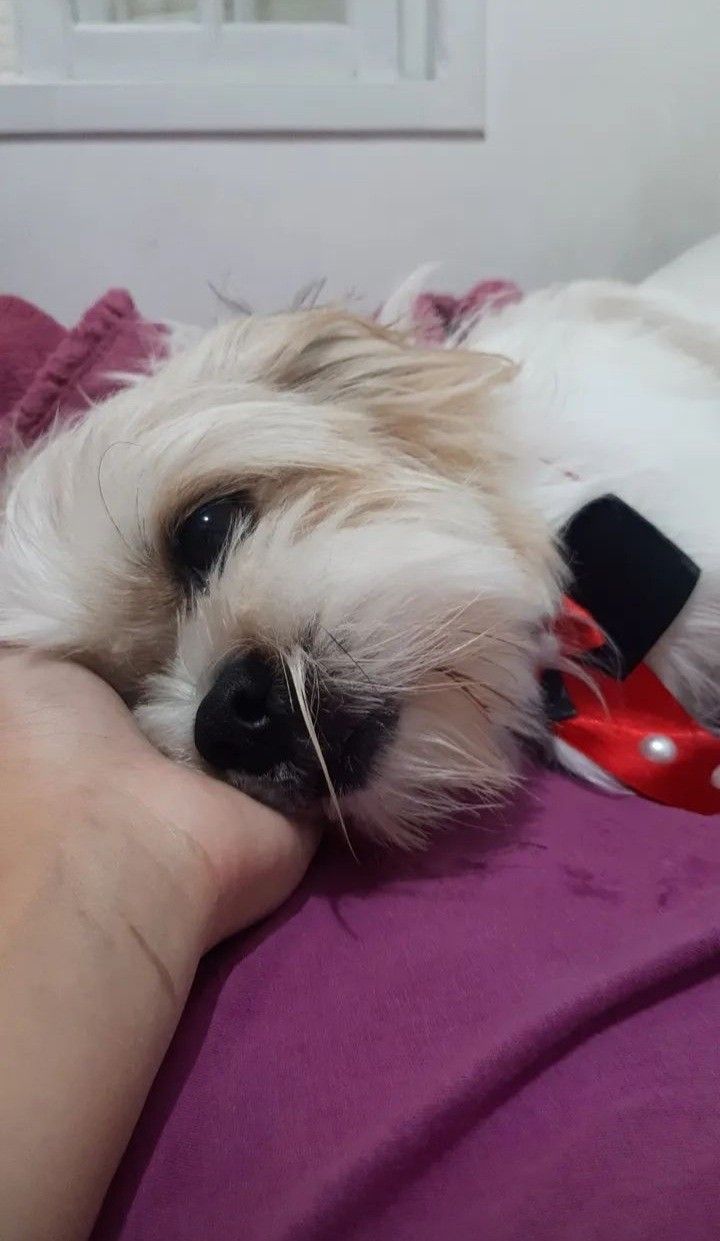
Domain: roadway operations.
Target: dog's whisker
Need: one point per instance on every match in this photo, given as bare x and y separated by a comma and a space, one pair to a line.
496, 637
467, 687
111, 519
346, 652
296, 668
316, 701
400, 636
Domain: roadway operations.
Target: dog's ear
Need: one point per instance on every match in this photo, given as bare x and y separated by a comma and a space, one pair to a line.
429, 400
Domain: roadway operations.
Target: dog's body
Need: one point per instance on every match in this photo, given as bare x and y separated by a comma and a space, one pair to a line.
323, 562
619, 391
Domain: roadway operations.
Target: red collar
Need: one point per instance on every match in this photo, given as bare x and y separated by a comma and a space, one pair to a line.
634, 729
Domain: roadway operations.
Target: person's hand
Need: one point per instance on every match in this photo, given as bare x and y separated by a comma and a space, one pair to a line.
118, 869
70, 752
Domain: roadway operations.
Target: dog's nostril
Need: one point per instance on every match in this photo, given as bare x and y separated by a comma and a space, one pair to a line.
241, 722
250, 708
250, 683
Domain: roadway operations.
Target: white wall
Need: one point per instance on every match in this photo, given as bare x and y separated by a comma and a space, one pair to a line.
7, 50
602, 157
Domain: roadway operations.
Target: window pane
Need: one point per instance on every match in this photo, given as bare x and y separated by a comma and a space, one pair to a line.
133, 10
285, 10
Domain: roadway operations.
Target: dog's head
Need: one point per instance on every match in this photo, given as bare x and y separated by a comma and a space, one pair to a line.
298, 551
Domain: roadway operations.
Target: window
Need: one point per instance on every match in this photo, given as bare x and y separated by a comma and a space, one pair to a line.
245, 65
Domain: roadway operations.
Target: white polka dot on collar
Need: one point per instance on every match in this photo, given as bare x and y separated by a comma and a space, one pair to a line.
658, 748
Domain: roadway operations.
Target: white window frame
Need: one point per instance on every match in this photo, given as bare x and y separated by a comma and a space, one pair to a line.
387, 70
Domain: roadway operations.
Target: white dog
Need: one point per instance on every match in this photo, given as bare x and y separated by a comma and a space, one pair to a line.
322, 562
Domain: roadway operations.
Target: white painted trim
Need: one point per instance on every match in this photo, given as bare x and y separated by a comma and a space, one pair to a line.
210, 13
94, 10
42, 29
415, 37
221, 107
375, 26
332, 102
244, 10
195, 52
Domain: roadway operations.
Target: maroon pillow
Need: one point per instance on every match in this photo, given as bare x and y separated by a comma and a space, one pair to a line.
48, 372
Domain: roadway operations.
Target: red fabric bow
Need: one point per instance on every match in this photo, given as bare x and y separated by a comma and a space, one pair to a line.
616, 722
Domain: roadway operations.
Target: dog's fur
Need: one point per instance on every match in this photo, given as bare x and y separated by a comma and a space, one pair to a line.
408, 503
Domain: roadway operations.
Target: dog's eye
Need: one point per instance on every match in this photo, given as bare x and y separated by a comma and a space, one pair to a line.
202, 537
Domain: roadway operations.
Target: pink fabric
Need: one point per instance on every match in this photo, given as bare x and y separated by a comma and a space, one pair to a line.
27, 337
435, 316
48, 372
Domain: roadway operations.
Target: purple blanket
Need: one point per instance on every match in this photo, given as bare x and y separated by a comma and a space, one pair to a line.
512, 1037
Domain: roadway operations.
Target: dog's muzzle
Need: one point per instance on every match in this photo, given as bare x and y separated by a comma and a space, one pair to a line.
250, 728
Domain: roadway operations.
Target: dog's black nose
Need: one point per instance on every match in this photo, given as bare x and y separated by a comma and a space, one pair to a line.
243, 723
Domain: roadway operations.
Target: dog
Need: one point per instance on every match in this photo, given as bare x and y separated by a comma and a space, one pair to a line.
323, 563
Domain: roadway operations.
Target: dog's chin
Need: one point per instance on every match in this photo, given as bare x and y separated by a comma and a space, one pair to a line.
282, 789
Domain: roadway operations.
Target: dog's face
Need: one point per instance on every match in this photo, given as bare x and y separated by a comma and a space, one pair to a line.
296, 552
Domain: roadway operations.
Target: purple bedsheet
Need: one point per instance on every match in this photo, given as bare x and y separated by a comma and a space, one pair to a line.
513, 1037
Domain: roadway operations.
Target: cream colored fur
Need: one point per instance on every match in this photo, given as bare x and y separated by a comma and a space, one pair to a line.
408, 506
